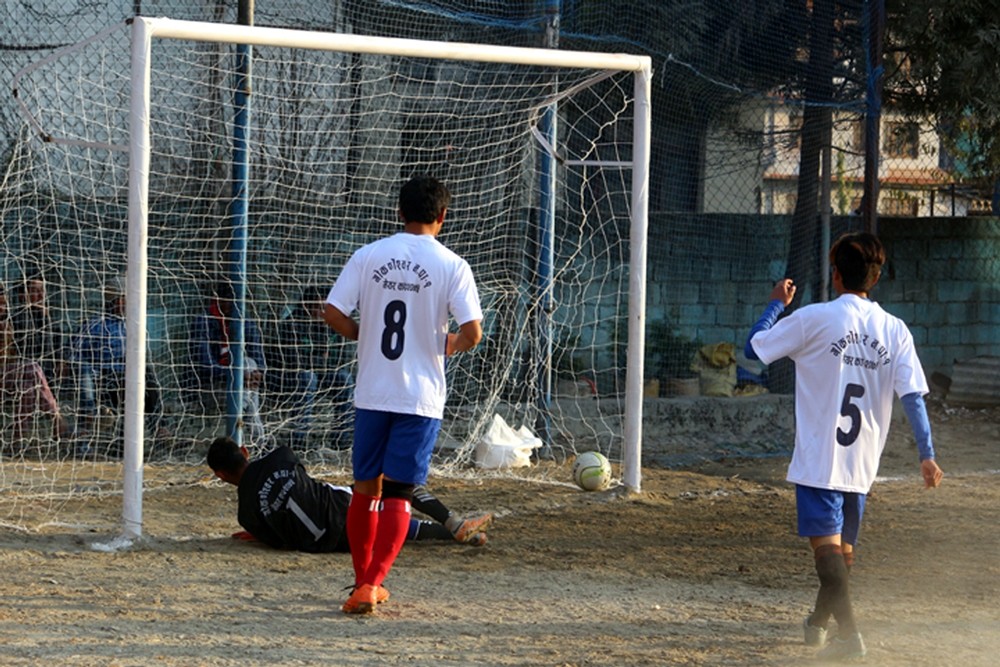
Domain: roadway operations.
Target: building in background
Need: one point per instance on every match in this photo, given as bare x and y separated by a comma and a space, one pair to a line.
752, 166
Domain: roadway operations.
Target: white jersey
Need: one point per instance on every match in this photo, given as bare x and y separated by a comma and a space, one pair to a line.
404, 287
850, 355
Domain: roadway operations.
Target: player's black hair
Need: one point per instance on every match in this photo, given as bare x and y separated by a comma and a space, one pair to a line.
422, 199
859, 257
225, 455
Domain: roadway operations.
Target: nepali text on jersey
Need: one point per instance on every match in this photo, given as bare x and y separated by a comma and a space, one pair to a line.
286, 481
416, 273
867, 344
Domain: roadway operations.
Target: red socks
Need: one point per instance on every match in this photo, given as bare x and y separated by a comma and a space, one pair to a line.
362, 523
392, 527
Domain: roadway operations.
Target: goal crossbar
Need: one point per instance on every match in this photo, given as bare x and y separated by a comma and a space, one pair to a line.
148, 28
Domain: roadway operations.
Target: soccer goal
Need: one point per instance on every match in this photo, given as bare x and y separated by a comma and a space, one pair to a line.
126, 173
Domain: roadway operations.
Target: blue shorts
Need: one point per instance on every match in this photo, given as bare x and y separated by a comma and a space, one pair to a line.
396, 445
823, 512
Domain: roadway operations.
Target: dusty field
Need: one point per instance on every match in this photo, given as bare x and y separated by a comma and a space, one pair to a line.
702, 568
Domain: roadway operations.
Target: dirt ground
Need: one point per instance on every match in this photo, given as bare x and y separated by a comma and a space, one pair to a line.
701, 568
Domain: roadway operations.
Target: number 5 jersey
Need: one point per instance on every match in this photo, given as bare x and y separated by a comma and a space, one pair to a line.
850, 356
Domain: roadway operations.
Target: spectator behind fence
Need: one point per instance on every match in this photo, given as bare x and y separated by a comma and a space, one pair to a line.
98, 351
300, 363
23, 380
211, 355
34, 330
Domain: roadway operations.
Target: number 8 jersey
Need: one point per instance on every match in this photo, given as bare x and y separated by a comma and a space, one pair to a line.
404, 287
850, 356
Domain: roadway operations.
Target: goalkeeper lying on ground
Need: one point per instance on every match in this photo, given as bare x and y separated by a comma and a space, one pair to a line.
282, 506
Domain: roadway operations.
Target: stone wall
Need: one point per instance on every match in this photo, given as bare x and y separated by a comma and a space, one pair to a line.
685, 431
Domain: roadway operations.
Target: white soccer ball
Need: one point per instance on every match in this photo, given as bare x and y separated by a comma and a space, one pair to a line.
592, 471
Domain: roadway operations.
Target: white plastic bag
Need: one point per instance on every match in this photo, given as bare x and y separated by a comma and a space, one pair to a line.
503, 447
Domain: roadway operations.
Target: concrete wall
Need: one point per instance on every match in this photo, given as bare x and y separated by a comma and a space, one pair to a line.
710, 276
685, 431
944, 280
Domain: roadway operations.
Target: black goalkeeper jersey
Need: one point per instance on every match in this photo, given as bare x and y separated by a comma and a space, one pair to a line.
283, 507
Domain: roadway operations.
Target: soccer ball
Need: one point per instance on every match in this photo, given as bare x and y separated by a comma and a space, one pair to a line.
592, 471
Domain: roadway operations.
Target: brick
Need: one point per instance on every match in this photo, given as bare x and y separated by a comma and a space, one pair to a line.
961, 312
946, 249
919, 334
949, 291
904, 311
979, 334
932, 358
929, 313
735, 315
944, 336
708, 335
697, 314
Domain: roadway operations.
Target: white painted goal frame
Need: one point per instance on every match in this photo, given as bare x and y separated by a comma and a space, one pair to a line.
145, 30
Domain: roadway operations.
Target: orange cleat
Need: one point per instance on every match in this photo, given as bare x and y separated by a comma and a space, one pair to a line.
470, 528
363, 600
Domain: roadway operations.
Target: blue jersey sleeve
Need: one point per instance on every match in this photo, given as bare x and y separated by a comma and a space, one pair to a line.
766, 321
916, 412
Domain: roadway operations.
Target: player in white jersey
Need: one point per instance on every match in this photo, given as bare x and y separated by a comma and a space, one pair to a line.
850, 357
404, 289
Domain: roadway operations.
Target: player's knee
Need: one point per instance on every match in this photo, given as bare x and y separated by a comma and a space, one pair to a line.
830, 566
394, 489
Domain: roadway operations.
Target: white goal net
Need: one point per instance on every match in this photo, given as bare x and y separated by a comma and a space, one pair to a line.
546, 212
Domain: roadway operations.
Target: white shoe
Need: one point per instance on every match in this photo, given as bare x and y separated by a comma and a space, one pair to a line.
839, 649
814, 635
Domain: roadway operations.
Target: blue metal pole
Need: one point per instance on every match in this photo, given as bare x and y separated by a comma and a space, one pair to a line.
874, 24
546, 258
236, 259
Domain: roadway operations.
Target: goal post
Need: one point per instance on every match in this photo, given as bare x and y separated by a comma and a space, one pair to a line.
338, 119
146, 29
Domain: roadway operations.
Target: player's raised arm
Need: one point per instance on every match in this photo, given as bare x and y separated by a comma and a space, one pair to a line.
781, 295
784, 291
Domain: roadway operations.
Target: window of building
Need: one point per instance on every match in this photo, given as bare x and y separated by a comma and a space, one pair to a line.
902, 207
858, 137
902, 139
791, 135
